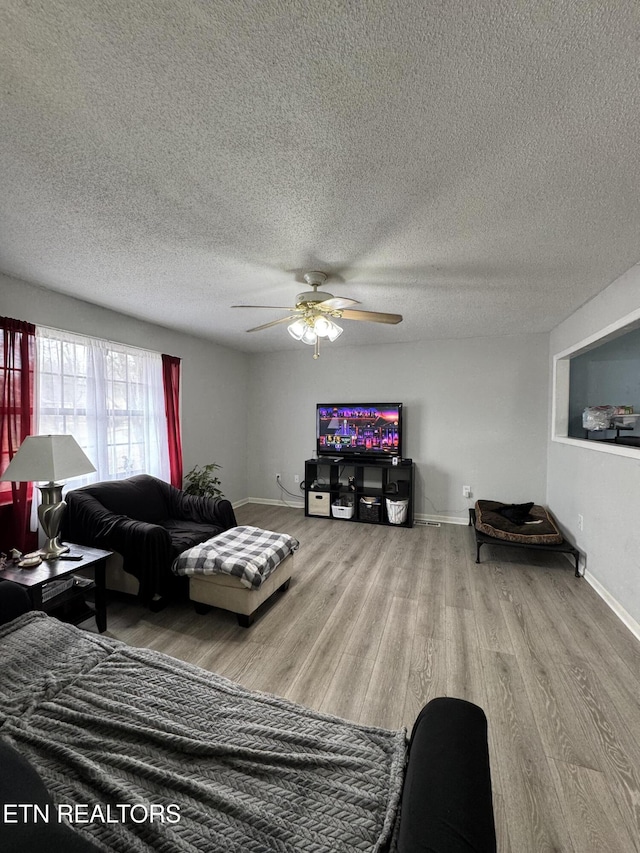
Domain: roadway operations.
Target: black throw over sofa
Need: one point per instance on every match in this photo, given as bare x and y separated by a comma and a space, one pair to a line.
148, 522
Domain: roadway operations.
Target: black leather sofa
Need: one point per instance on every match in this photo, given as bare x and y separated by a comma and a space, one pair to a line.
148, 522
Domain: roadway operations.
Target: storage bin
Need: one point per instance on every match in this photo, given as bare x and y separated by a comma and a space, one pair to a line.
397, 511
319, 503
340, 511
369, 509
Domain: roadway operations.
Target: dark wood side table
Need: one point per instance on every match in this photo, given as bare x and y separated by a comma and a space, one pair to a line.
35, 579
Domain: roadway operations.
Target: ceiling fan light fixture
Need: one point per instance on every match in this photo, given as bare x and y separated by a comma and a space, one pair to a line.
322, 326
309, 336
315, 309
334, 332
297, 329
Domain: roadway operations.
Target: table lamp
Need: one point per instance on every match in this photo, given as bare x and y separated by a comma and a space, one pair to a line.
49, 458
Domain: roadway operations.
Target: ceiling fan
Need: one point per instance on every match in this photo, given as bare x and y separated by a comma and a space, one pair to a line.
315, 311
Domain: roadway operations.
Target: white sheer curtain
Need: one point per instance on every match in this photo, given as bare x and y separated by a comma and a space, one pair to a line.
110, 397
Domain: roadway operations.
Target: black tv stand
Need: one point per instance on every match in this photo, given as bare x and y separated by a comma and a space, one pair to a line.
365, 485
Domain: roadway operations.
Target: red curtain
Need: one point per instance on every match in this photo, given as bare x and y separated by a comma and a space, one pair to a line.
17, 366
171, 381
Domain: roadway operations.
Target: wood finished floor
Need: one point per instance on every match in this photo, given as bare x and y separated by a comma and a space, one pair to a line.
379, 620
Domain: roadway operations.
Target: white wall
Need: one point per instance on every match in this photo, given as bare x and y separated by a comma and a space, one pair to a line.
214, 378
603, 488
475, 414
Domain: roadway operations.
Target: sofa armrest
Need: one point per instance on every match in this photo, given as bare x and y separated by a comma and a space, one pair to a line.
14, 601
203, 510
145, 547
447, 805
21, 783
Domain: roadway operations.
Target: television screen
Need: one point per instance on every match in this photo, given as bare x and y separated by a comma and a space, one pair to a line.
359, 429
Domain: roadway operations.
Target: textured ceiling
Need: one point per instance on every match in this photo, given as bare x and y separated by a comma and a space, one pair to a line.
474, 166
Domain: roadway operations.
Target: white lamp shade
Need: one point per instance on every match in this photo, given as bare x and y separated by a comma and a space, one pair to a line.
322, 326
334, 331
297, 329
309, 336
47, 458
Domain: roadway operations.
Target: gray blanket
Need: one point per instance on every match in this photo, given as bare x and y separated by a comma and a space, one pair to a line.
106, 724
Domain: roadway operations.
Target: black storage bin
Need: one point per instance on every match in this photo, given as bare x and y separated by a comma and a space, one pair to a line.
369, 510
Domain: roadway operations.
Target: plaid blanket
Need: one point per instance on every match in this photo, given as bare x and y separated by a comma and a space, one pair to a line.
248, 553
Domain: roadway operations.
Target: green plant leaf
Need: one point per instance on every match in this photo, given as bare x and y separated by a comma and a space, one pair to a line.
201, 481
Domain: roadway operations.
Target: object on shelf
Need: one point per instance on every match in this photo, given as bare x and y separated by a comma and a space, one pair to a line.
397, 511
624, 421
341, 510
53, 588
319, 503
369, 509
597, 417
30, 561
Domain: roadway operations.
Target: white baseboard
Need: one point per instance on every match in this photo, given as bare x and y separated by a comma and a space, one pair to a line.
626, 618
439, 519
271, 502
419, 517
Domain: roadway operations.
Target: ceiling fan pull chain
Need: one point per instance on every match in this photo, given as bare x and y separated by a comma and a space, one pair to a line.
316, 348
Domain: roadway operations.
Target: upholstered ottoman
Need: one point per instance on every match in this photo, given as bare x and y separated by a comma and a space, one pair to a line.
238, 570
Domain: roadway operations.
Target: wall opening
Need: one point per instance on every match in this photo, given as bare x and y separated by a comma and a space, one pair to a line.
601, 371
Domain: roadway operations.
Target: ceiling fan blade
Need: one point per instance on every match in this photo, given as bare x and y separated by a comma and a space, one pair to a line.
373, 316
337, 302
274, 323
279, 307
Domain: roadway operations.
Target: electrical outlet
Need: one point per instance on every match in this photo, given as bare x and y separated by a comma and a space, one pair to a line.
580, 522
466, 491
296, 478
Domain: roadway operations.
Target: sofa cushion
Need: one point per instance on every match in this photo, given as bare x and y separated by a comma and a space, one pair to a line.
186, 534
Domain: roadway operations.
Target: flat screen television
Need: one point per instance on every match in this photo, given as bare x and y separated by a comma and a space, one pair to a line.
372, 430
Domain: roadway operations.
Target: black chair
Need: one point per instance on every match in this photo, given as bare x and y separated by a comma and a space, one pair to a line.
148, 522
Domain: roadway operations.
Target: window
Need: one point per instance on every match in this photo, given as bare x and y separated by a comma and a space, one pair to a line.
110, 397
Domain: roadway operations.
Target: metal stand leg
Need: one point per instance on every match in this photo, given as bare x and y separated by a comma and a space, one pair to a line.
478, 546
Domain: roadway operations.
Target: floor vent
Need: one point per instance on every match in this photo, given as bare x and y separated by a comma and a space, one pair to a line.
429, 523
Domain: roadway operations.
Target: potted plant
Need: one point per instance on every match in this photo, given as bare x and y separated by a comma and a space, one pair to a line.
203, 482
